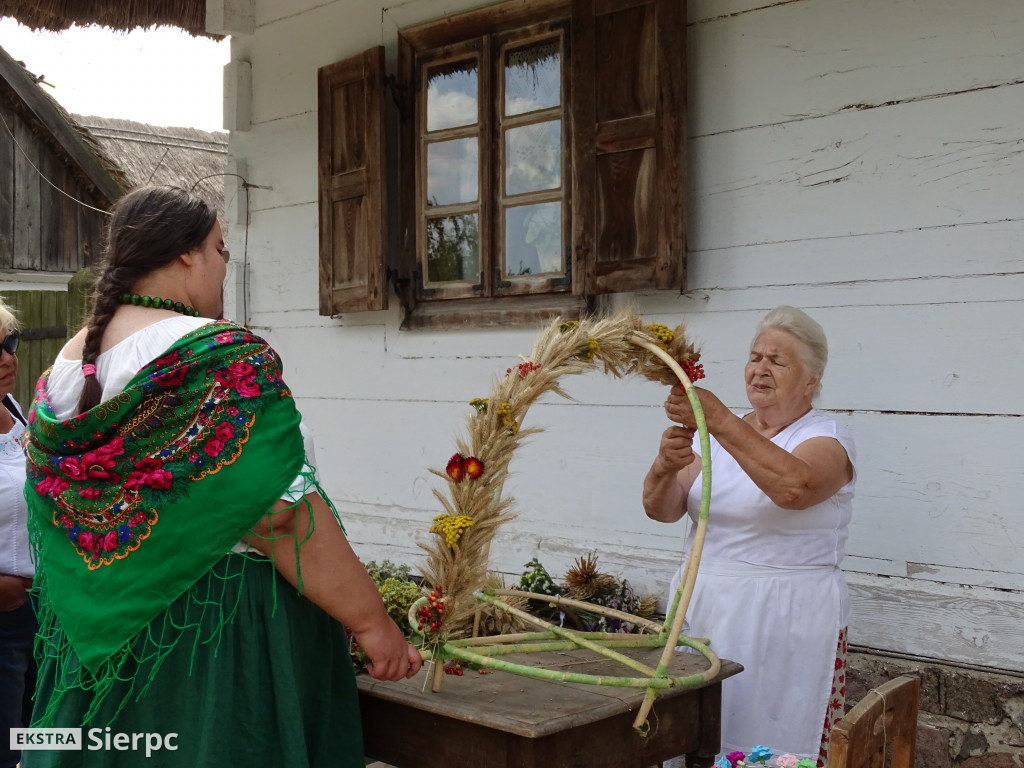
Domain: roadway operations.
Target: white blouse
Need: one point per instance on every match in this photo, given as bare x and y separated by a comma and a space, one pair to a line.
15, 559
118, 365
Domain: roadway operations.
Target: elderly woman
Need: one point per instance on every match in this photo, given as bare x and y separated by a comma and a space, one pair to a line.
17, 620
770, 593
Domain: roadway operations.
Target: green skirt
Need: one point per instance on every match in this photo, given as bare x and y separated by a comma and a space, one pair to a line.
259, 676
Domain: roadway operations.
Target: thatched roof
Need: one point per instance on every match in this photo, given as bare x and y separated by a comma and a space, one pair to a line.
57, 15
147, 154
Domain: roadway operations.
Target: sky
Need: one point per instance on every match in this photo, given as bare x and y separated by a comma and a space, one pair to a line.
161, 76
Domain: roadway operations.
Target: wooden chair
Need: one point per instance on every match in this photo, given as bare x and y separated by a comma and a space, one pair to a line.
880, 731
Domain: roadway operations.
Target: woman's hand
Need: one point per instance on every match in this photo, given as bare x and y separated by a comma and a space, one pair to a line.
675, 451
391, 657
13, 592
674, 468
679, 410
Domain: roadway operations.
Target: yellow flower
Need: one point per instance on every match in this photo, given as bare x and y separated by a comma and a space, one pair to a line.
505, 412
592, 348
451, 527
480, 403
662, 333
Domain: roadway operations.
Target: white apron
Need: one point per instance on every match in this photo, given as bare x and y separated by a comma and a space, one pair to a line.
771, 596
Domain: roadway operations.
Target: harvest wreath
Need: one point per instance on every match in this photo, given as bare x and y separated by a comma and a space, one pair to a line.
465, 599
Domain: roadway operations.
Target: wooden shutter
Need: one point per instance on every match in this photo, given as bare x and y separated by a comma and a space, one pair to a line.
353, 204
629, 143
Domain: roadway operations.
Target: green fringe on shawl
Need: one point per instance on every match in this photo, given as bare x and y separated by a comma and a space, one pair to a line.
147, 649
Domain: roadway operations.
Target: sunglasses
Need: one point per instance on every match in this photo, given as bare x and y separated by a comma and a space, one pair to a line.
10, 344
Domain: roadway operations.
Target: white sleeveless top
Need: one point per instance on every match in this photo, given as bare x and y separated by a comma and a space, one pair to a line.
770, 595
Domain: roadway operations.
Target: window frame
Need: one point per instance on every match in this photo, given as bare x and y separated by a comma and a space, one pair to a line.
485, 33
623, 174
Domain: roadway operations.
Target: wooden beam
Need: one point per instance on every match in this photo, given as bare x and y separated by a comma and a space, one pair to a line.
51, 118
230, 17
238, 96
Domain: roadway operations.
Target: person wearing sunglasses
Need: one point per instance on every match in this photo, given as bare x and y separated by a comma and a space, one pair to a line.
17, 619
194, 580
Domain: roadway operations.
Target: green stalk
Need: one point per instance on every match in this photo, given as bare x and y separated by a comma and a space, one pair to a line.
600, 610
633, 641
467, 642
685, 682
685, 588
569, 635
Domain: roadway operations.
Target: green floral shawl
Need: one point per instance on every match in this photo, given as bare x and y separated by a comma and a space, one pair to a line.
133, 501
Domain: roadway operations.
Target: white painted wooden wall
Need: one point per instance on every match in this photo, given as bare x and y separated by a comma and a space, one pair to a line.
862, 160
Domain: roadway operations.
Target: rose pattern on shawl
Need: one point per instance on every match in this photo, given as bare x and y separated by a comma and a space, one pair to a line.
194, 407
241, 377
73, 468
213, 447
172, 377
224, 431
100, 464
166, 361
51, 485
222, 434
149, 472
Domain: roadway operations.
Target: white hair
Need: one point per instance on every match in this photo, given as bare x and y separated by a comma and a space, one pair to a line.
8, 320
806, 330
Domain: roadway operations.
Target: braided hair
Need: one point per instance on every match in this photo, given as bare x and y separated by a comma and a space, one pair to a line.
149, 228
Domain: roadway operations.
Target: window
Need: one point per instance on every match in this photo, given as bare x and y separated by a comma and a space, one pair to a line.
541, 162
490, 170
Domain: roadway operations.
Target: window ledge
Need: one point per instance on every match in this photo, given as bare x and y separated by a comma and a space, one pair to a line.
494, 313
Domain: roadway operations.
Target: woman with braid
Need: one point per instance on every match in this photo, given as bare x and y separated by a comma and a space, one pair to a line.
193, 578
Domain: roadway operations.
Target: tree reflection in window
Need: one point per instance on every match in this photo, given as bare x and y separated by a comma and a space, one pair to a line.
453, 249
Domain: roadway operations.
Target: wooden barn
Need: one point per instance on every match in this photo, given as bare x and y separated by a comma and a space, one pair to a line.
59, 173
712, 159
56, 184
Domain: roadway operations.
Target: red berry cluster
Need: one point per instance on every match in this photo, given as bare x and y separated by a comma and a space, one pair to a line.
694, 371
460, 467
431, 615
453, 668
524, 369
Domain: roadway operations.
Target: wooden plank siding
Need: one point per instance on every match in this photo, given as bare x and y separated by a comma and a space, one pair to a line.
860, 160
42, 318
48, 170
42, 227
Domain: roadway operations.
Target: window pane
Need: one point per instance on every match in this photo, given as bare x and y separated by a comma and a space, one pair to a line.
533, 78
533, 157
452, 95
452, 172
453, 249
533, 239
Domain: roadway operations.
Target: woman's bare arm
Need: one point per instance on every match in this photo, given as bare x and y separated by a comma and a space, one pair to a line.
334, 579
814, 471
671, 474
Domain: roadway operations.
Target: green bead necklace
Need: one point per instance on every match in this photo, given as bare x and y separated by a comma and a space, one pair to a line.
158, 303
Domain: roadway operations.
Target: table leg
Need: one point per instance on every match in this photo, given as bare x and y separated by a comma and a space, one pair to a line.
710, 699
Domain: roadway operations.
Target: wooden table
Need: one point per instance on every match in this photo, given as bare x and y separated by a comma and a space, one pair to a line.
501, 720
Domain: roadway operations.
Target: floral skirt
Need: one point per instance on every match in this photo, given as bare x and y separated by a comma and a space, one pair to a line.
274, 686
